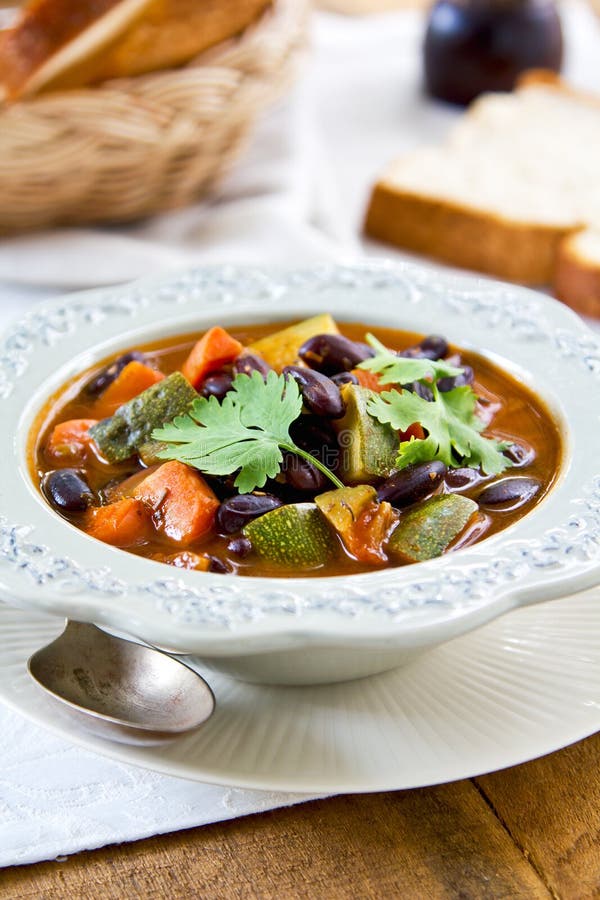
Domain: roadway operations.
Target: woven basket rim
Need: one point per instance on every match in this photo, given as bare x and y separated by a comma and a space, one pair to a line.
130, 147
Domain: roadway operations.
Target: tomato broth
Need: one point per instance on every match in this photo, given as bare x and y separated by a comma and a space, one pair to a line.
511, 410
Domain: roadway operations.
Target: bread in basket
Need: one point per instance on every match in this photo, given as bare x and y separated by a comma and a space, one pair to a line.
131, 146
57, 44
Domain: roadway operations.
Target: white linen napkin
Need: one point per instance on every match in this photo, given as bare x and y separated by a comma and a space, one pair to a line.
57, 799
296, 198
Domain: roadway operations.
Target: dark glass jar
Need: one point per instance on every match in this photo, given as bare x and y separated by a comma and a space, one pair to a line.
472, 46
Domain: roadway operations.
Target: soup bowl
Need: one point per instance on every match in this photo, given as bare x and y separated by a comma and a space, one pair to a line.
297, 630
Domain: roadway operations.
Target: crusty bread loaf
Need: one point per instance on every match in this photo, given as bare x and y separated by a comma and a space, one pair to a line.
577, 276
57, 44
463, 235
516, 177
52, 36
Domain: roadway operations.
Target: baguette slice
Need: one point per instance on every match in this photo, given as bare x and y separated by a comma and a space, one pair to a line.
53, 36
577, 277
515, 178
58, 44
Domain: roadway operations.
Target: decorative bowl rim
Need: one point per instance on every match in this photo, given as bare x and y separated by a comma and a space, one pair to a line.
555, 549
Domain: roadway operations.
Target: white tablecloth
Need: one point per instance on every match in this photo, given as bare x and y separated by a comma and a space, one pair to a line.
297, 197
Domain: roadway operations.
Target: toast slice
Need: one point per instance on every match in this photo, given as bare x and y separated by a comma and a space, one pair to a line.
515, 179
577, 276
58, 44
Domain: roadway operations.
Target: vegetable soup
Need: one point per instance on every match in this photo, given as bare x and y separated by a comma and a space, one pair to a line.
316, 448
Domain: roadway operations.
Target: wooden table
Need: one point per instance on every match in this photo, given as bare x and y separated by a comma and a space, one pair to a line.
528, 832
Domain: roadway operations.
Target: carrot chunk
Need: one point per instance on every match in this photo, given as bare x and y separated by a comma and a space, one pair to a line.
70, 441
215, 349
413, 431
370, 380
184, 505
366, 537
131, 381
122, 524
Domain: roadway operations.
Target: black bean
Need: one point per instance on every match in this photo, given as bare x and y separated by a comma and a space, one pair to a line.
222, 485
216, 385
103, 379
240, 546
317, 436
519, 455
284, 491
422, 390
237, 511
333, 353
343, 378
457, 479
412, 484
218, 566
434, 343
249, 363
431, 347
67, 490
509, 492
319, 393
467, 376
302, 475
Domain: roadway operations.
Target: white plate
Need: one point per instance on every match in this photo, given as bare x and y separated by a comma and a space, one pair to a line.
522, 686
303, 630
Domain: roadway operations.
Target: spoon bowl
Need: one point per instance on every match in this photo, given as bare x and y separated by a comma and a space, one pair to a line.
119, 689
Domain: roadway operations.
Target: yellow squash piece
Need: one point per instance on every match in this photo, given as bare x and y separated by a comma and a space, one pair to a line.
281, 349
362, 522
344, 506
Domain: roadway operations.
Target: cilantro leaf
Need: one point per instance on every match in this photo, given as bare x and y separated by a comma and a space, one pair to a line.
395, 369
246, 431
453, 429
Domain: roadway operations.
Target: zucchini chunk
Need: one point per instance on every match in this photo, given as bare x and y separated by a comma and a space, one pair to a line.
428, 530
295, 536
120, 436
149, 450
369, 448
281, 349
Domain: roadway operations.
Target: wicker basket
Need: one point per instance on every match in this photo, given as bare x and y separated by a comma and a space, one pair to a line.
136, 146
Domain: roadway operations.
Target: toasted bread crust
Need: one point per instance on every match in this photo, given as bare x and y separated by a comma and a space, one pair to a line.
44, 29
163, 34
462, 236
169, 34
577, 280
471, 238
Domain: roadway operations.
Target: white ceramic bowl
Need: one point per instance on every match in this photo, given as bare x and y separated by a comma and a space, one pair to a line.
297, 630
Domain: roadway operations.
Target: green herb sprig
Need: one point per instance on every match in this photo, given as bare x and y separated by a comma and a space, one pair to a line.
246, 431
454, 431
394, 369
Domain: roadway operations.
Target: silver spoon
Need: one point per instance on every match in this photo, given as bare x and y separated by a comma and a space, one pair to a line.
121, 690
